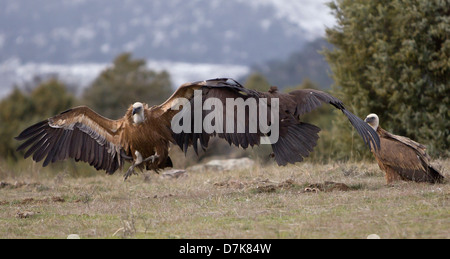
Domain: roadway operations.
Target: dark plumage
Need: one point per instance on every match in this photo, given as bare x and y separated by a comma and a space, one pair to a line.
144, 134
402, 158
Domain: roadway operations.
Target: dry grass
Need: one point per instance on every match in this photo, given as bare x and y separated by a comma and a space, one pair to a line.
265, 202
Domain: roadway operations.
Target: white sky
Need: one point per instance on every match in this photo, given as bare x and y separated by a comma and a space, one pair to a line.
312, 15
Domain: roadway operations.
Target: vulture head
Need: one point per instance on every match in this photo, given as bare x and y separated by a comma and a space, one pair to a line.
373, 121
138, 113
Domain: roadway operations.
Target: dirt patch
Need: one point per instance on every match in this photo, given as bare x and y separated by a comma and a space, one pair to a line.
288, 184
262, 185
234, 184
268, 188
327, 187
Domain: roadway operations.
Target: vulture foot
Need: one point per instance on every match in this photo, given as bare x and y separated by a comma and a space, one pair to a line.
131, 171
151, 158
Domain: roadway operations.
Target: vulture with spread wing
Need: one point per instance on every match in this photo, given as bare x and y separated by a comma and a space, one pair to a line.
402, 158
144, 134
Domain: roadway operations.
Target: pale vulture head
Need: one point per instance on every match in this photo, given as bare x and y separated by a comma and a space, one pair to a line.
373, 121
138, 113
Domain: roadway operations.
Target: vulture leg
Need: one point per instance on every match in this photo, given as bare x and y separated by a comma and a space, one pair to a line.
124, 156
152, 158
392, 176
131, 171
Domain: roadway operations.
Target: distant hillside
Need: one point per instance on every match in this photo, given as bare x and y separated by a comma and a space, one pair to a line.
307, 63
206, 31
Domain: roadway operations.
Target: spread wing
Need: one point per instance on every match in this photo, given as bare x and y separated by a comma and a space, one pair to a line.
296, 139
307, 100
78, 133
186, 91
220, 89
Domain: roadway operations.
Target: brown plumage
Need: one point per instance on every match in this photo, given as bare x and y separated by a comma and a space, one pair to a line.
402, 158
144, 134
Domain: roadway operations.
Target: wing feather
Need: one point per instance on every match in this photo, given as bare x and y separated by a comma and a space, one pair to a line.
220, 89
186, 91
296, 140
306, 100
396, 154
417, 147
78, 133
406, 157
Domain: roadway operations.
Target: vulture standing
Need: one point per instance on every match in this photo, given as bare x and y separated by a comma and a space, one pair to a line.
144, 134
402, 158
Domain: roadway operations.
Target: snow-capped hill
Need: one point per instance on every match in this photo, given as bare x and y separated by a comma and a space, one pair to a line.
205, 31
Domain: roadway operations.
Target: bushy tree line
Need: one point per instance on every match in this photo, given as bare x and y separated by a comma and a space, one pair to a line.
21, 109
392, 57
125, 82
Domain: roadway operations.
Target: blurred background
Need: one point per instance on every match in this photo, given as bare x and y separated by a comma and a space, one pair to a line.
388, 57
192, 40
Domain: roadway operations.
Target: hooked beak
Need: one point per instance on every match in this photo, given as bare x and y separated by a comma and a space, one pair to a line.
368, 120
135, 110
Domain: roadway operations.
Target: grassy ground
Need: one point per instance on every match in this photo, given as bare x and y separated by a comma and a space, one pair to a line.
269, 202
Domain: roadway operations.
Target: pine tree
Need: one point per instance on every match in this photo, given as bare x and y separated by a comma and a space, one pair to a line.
257, 81
20, 110
127, 81
392, 57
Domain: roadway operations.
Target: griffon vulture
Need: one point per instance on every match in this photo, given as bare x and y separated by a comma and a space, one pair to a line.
402, 158
144, 134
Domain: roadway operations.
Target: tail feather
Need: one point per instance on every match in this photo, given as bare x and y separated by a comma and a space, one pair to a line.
434, 175
430, 175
